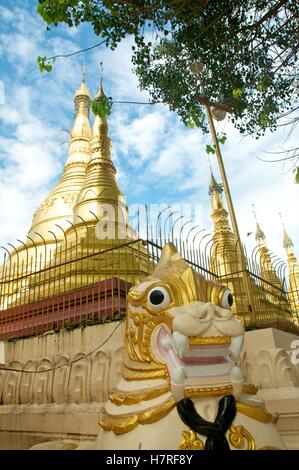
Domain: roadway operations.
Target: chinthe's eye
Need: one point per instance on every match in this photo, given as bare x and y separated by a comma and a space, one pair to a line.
227, 299
158, 298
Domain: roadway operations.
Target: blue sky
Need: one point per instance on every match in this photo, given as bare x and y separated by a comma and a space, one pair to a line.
159, 160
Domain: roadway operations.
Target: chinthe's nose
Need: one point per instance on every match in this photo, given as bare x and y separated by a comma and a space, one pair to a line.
207, 311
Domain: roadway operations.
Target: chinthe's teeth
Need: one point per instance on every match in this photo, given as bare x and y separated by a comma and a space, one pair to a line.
178, 375
166, 343
236, 346
180, 342
237, 380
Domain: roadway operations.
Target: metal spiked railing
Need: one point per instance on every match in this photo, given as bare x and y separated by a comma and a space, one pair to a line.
79, 281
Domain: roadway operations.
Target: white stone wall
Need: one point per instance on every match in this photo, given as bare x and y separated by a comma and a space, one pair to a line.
76, 372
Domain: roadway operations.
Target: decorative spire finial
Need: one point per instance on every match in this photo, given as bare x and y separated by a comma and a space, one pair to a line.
254, 213
214, 186
287, 242
100, 92
259, 234
83, 90
101, 73
282, 223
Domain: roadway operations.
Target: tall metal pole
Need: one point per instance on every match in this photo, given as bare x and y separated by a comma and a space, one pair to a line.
235, 228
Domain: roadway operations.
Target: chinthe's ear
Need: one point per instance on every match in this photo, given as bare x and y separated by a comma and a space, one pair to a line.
167, 254
170, 258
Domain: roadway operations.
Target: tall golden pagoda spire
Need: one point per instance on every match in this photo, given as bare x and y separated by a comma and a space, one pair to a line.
100, 195
99, 226
223, 236
266, 266
259, 234
293, 272
81, 127
224, 257
215, 190
287, 241
57, 208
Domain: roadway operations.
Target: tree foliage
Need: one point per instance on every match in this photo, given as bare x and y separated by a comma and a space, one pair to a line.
248, 52
101, 106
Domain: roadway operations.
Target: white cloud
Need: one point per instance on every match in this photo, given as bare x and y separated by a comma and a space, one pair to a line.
18, 47
30, 162
2, 93
31, 157
118, 70
6, 14
141, 135
179, 156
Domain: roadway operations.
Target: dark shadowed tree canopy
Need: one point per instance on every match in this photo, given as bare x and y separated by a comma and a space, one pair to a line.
248, 51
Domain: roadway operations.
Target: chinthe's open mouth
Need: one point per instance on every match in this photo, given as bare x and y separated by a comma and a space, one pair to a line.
197, 357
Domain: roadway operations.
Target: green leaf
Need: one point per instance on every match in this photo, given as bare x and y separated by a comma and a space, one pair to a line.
238, 92
264, 119
101, 107
44, 64
40, 9
210, 149
41, 63
222, 138
196, 121
190, 124
296, 170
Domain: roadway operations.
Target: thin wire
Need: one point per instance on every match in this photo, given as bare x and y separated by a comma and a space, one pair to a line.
77, 52
66, 363
137, 102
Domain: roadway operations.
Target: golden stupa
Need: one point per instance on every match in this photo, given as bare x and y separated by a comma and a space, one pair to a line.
293, 274
270, 302
80, 233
